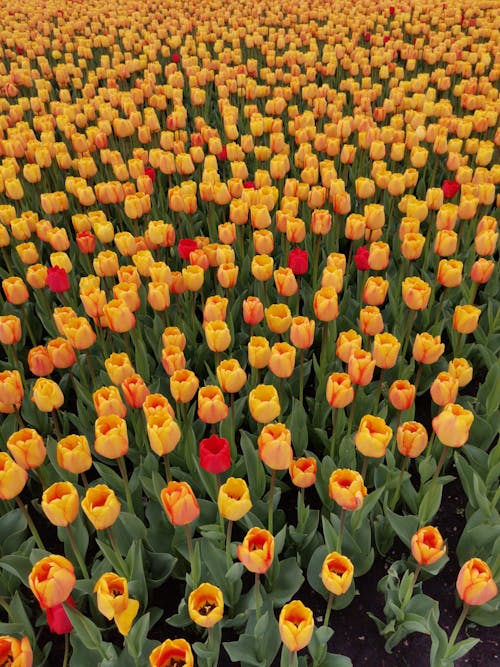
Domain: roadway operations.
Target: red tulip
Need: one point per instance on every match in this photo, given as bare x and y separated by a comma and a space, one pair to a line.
298, 261
361, 258
58, 620
57, 279
215, 456
450, 188
186, 247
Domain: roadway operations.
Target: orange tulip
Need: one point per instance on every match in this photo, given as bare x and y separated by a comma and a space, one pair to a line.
373, 436
411, 438
206, 605
264, 403
163, 432
444, 388
183, 385
337, 573
296, 625
385, 350
15, 652
346, 488
217, 335
234, 499
118, 367
47, 395
60, 503
275, 446
325, 304
371, 321
401, 394
27, 448
427, 546
51, 580
61, 353
172, 652
375, 290
339, 390
466, 318
114, 603
361, 366
10, 329
416, 293
111, 437
211, 405
347, 342
101, 506
108, 401
462, 370
135, 391
73, 454
452, 425
12, 477
231, 376
303, 471
475, 583
256, 552
427, 349
278, 318
180, 504
282, 360
253, 310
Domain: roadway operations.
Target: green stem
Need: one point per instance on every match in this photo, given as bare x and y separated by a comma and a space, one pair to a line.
76, 551
439, 465
229, 560
410, 590
364, 468
335, 416
301, 377
66, 649
457, 627
123, 473
351, 411
57, 428
189, 541
30, 523
271, 508
430, 445
395, 497
328, 611
166, 463
379, 391
341, 530
257, 595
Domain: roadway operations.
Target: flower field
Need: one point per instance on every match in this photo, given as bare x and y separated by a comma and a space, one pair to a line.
249, 328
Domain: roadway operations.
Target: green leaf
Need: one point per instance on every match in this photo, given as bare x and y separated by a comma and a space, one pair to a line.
20, 566
404, 526
88, 633
368, 504
243, 651
118, 564
255, 469
430, 504
460, 649
287, 583
489, 392
297, 423
137, 636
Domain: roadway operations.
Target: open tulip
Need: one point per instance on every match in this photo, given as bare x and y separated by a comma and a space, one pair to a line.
373, 436
234, 499
303, 471
337, 573
206, 605
256, 552
452, 425
172, 652
60, 503
346, 488
51, 580
296, 625
427, 546
101, 506
12, 477
15, 652
475, 583
114, 603
264, 403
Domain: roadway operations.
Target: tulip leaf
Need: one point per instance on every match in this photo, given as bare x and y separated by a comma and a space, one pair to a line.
287, 583
134, 641
297, 423
404, 526
314, 570
243, 651
12, 528
118, 564
88, 633
460, 649
368, 504
430, 504
255, 469
20, 566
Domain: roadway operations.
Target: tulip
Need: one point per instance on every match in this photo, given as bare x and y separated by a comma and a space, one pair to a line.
339, 390
60, 503
172, 652
371, 321
298, 261
373, 436
303, 472
325, 304
385, 350
163, 431
444, 388
215, 309
114, 603
217, 335
475, 583
10, 329
16, 652
466, 318
180, 504
73, 454
253, 310
411, 439
231, 376
119, 317
347, 489
211, 405
12, 477
375, 290
215, 455
482, 270
427, 349
427, 546
183, 385
282, 360
347, 343
15, 290
278, 318
262, 267
337, 573
135, 391
11, 391
234, 499
27, 448
275, 446
296, 625
47, 395
206, 605
452, 425
361, 366
401, 394
462, 370
264, 403
108, 401
449, 272
416, 293
378, 256
101, 506
256, 552
61, 353
51, 580
111, 437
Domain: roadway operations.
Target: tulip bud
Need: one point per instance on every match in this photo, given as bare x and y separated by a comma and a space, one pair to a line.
427, 546
411, 438
347, 489
337, 573
256, 552
180, 504
475, 583
373, 436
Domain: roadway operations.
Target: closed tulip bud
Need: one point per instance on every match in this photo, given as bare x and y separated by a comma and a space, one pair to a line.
12, 477
172, 359
61, 353
452, 425
337, 573
401, 394
355, 226
27, 448
444, 389
475, 583
434, 198
111, 437
206, 605
412, 245
180, 504
385, 350
365, 188
259, 352
371, 321
325, 304
347, 489
119, 317
231, 376
302, 332
461, 370
427, 546
347, 342
373, 436
36, 276
51, 580
449, 273
172, 651
108, 401
217, 335
134, 391
114, 603
118, 367
163, 432
303, 472
60, 503
264, 404
467, 208
485, 242
411, 438
17, 650
282, 359
11, 391
256, 552
39, 361
173, 336
375, 290
416, 293
427, 349
466, 318
234, 499
482, 270
15, 290
378, 258
47, 395
158, 296
73, 454
183, 385
296, 625
263, 242
211, 405
278, 318
262, 267
101, 506
253, 310
445, 243
361, 366
275, 446
339, 390
215, 309
285, 281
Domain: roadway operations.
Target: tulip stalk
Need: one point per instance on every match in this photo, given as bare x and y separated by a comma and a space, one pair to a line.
457, 627
66, 650
271, 508
257, 595
229, 560
189, 541
397, 490
30, 523
413, 583
123, 473
439, 465
335, 417
410, 319
379, 391
341, 529
76, 551
301, 377
351, 411
331, 599
166, 463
